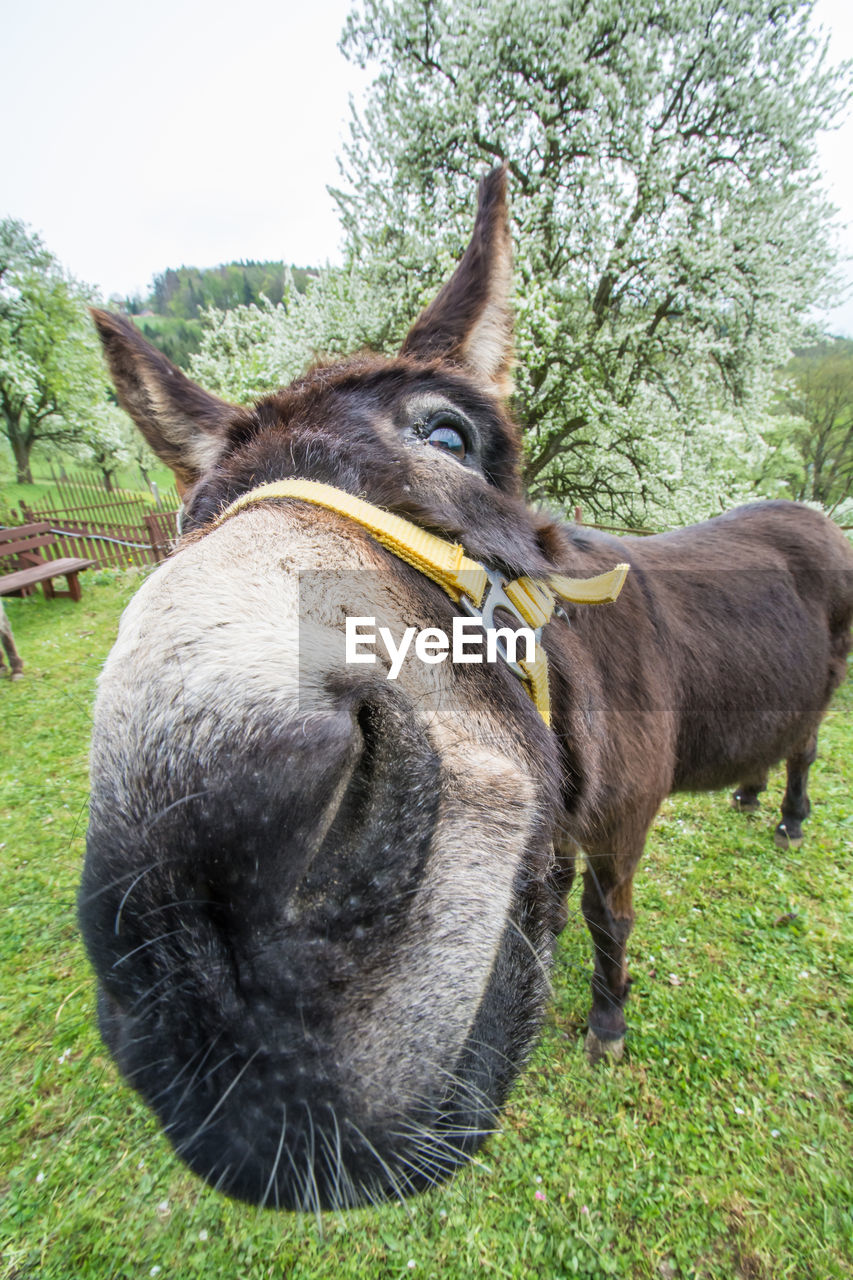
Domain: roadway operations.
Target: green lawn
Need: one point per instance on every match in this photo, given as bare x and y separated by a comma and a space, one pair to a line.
721, 1147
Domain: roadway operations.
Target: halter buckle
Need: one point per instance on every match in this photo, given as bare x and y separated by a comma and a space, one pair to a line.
496, 598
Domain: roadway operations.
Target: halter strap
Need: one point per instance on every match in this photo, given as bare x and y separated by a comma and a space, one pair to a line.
467, 582
445, 562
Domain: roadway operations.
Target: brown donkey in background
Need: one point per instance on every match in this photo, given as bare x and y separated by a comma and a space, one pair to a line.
322, 903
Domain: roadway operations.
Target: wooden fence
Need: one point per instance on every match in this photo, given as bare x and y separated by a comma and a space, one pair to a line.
646, 533
85, 498
115, 529
612, 528
114, 547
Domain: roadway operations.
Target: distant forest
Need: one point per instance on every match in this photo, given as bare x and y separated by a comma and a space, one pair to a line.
169, 314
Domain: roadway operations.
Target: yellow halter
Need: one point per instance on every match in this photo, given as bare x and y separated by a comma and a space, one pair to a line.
478, 590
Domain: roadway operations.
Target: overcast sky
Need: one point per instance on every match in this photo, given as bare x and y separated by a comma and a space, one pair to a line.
144, 136
138, 137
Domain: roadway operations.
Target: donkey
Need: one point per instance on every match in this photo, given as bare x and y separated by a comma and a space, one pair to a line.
322, 903
16, 666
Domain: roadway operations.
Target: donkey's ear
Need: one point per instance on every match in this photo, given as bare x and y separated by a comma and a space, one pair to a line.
184, 425
470, 323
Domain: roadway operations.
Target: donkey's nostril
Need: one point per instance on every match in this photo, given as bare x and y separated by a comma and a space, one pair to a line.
368, 718
366, 870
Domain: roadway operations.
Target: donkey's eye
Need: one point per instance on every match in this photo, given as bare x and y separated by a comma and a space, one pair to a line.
444, 435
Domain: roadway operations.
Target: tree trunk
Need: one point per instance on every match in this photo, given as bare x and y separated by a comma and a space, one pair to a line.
22, 461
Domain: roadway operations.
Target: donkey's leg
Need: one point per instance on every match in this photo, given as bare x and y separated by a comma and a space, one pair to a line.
562, 877
796, 805
745, 799
9, 645
607, 905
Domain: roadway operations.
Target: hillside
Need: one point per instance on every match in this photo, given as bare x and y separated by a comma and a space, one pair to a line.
168, 315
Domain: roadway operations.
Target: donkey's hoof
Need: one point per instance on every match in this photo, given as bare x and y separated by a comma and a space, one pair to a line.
603, 1050
745, 804
785, 839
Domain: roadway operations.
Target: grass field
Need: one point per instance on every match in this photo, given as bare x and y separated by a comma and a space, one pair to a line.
44, 486
721, 1147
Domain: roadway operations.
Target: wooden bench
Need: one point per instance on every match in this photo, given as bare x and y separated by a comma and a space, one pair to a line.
19, 550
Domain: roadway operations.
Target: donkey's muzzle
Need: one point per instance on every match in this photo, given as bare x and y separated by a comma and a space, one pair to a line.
236, 931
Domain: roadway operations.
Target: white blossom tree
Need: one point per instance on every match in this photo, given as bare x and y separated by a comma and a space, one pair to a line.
105, 438
249, 351
52, 376
670, 231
